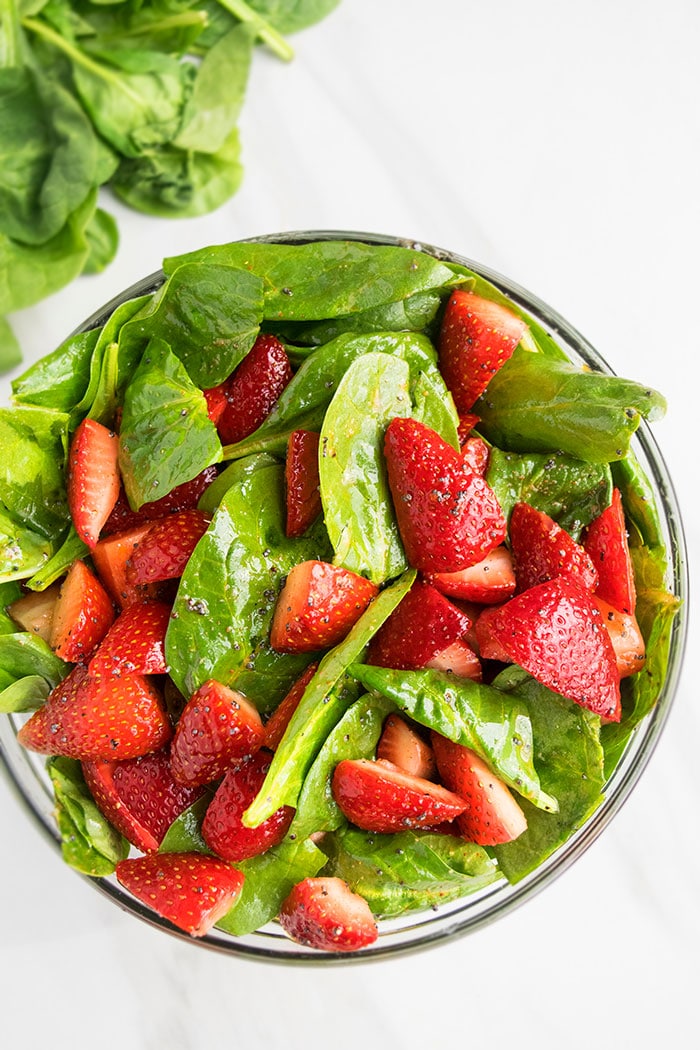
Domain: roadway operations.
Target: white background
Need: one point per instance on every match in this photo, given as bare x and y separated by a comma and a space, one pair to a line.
558, 143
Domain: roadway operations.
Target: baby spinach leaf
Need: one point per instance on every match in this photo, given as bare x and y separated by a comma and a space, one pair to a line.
166, 435
25, 694
103, 240
89, 843
23, 653
413, 314
59, 561
492, 723
60, 379
9, 593
32, 483
22, 550
638, 500
289, 16
185, 833
10, 351
109, 378
234, 474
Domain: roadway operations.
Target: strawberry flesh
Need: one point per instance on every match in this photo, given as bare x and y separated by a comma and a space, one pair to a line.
82, 615
423, 625
135, 643
254, 388
401, 745
317, 606
93, 478
606, 543
324, 913
302, 481
458, 659
541, 550
34, 611
489, 582
166, 548
111, 556
182, 497
626, 637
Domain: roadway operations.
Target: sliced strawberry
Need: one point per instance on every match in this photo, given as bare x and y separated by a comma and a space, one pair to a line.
377, 796
422, 625
492, 815
111, 556
222, 827
466, 425
317, 606
556, 632
217, 726
87, 718
139, 797
190, 890
606, 542
33, 612
324, 913
401, 745
216, 400
489, 582
82, 615
476, 339
135, 643
166, 548
182, 497
448, 516
254, 388
475, 455
458, 659
626, 637
277, 723
302, 481
541, 550
486, 642
93, 478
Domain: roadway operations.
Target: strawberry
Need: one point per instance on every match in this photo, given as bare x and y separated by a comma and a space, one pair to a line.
476, 339
88, 718
182, 497
401, 745
33, 612
422, 625
190, 890
93, 478
82, 615
626, 637
489, 582
448, 516
378, 796
135, 643
317, 606
466, 425
222, 827
217, 726
458, 659
606, 542
111, 556
302, 481
556, 632
139, 796
324, 913
541, 550
277, 723
254, 388
492, 815
166, 548
475, 455
488, 646
215, 398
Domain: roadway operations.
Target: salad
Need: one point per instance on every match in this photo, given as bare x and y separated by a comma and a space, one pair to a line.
330, 588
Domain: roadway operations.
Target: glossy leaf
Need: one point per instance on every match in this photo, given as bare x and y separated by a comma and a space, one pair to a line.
32, 483
60, 379
55, 566
89, 843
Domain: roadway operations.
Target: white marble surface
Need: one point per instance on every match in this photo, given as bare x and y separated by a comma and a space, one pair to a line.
558, 143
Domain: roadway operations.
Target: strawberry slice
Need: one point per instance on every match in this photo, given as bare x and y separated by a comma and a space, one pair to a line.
93, 478
111, 556
489, 582
448, 516
475, 455
378, 796
87, 718
626, 637
254, 388
476, 339
541, 550
486, 642
401, 745
466, 425
422, 625
556, 632
324, 913
277, 723
166, 548
606, 542
33, 612
82, 615
302, 481
217, 726
317, 606
216, 400
492, 815
139, 797
182, 497
135, 643
190, 890
222, 827
458, 659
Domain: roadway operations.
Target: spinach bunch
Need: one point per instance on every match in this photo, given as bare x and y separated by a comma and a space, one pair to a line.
142, 96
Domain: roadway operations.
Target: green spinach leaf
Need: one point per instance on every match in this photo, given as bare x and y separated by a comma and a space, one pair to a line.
60, 379
88, 842
103, 240
58, 563
34, 444
185, 833
413, 314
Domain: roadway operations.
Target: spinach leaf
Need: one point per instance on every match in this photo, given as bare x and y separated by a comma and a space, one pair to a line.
9, 593
103, 240
89, 843
638, 499
58, 562
32, 483
10, 352
22, 550
99, 385
234, 474
289, 16
24, 694
413, 314
60, 379
185, 833
492, 723
23, 654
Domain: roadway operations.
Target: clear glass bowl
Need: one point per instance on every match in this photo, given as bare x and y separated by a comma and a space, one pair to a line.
421, 929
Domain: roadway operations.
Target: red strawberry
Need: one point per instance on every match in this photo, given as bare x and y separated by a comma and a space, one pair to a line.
111, 556
448, 517
466, 425
217, 726
458, 659
324, 913
556, 632
302, 481
254, 388
87, 718
277, 723
135, 643
475, 455
486, 642
182, 497
476, 339
489, 582
33, 612
166, 548
378, 796
190, 890
626, 637
93, 478
606, 542
139, 796
317, 606
422, 625
492, 815
400, 745
222, 827
541, 550
82, 615
216, 400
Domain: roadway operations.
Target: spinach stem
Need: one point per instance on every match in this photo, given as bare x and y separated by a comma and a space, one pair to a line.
274, 40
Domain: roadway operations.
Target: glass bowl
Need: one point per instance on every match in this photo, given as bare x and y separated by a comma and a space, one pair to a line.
419, 930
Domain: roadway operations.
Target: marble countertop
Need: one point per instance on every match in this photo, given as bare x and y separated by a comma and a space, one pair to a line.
558, 144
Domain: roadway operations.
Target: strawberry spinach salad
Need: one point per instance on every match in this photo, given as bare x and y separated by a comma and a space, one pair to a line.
331, 588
